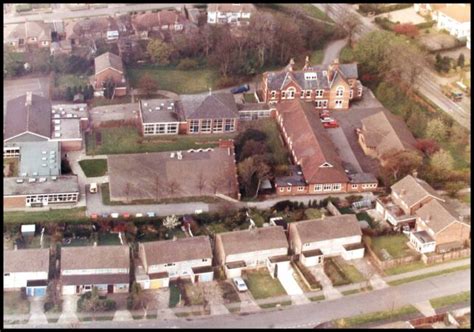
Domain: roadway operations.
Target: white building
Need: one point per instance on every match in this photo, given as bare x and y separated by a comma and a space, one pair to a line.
104, 267
161, 261
231, 13
330, 236
27, 268
456, 19
258, 247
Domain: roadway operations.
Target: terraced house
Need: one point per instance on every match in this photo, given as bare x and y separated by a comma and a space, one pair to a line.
328, 86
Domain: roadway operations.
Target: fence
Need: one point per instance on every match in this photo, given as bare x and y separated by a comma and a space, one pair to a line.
439, 258
382, 265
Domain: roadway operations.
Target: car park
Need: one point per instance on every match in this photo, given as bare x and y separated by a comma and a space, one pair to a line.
126, 215
331, 124
324, 114
104, 215
240, 284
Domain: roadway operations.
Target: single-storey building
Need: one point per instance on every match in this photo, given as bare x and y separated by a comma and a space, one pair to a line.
41, 158
257, 247
315, 239
161, 117
162, 261
109, 66
104, 267
26, 268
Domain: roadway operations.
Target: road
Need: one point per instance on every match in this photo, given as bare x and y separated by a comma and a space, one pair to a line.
428, 84
63, 13
309, 315
332, 50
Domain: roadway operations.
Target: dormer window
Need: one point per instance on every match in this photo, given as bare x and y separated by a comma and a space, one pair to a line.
340, 91
326, 164
319, 93
273, 94
310, 76
290, 93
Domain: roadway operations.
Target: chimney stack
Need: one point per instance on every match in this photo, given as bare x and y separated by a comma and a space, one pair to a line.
333, 68
95, 243
415, 174
290, 65
210, 91
29, 98
306, 63
323, 216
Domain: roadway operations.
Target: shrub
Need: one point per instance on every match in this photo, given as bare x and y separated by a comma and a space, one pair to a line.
354, 198
187, 63
285, 205
384, 23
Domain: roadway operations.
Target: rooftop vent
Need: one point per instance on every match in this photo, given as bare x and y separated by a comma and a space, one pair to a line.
162, 104
149, 110
157, 108
61, 109
69, 115
43, 158
43, 152
179, 155
44, 165
62, 113
172, 104
57, 121
24, 174
57, 128
81, 109
170, 108
172, 155
57, 135
145, 104
35, 173
57, 116
75, 115
53, 111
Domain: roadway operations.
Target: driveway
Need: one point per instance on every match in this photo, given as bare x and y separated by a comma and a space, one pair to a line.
332, 50
291, 287
213, 294
162, 296
370, 273
343, 148
330, 293
37, 315
69, 310
247, 303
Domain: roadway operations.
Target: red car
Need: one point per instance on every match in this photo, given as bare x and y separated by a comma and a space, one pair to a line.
332, 124
94, 216
126, 215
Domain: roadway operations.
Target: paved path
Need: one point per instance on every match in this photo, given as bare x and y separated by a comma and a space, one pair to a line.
332, 50
122, 315
68, 315
289, 283
425, 308
330, 293
37, 315
369, 272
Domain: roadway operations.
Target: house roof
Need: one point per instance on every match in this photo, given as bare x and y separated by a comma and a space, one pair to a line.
387, 133
34, 118
96, 279
412, 190
180, 250
40, 30
209, 106
437, 215
315, 230
94, 25
256, 239
26, 260
163, 17
311, 144
160, 110
459, 12
231, 7
95, 257
108, 60
362, 178
62, 184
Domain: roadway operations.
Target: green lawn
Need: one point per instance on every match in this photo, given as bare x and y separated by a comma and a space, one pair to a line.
317, 298
194, 293
108, 239
428, 275
262, 285
312, 213
317, 57
465, 198
179, 81
444, 301
127, 140
273, 305
94, 167
250, 98
375, 316
13, 304
61, 215
340, 272
63, 81
394, 244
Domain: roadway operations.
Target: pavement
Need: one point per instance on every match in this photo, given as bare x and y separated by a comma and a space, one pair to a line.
332, 50
425, 308
289, 283
330, 293
122, 315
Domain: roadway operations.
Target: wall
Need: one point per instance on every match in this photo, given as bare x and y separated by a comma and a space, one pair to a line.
332, 246
388, 263
14, 202
331, 208
257, 257
67, 146
439, 258
180, 268
294, 238
69, 290
353, 254
455, 232
18, 280
311, 261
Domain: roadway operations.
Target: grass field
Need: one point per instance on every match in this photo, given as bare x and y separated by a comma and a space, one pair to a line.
261, 284
108, 239
179, 81
14, 304
127, 140
312, 213
394, 244
444, 301
66, 215
94, 167
63, 81
375, 316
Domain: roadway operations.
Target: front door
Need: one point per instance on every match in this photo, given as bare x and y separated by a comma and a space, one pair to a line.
110, 289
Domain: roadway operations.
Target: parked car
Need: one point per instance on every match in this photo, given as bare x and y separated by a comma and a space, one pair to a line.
328, 119
240, 89
324, 114
151, 214
114, 215
138, 215
126, 215
332, 124
240, 284
93, 188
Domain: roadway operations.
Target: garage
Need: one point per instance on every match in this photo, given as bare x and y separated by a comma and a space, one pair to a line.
159, 280
203, 273
36, 288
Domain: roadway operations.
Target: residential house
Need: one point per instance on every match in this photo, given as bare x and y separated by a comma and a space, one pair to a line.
456, 19
61, 47
148, 24
93, 28
383, 134
109, 66
315, 239
104, 267
438, 228
210, 113
312, 149
406, 197
21, 35
230, 13
327, 86
160, 116
26, 268
257, 247
162, 261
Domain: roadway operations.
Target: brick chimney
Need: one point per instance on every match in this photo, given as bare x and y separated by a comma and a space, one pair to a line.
290, 65
29, 98
333, 68
306, 63
415, 174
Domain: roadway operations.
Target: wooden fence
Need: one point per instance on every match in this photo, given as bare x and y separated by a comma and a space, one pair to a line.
439, 258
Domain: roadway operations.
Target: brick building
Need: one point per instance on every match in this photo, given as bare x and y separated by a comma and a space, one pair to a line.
109, 66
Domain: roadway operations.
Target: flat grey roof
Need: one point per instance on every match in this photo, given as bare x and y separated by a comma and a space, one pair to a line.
42, 157
160, 110
63, 184
66, 128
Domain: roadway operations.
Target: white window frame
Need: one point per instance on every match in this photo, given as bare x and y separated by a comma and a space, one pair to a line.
319, 93
206, 126
354, 186
327, 187
351, 94
194, 124
318, 187
338, 103
273, 94
282, 189
288, 189
308, 94
230, 123
300, 188
291, 92
337, 187
340, 91
218, 126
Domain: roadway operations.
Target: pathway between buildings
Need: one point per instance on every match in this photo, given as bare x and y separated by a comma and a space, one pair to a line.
330, 293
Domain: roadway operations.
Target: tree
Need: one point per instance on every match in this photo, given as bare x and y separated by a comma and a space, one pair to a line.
398, 164
252, 148
461, 60
200, 182
109, 90
69, 95
427, 146
170, 222
159, 51
263, 170
417, 123
408, 29
437, 130
442, 161
351, 23
246, 170
224, 51
138, 298
148, 84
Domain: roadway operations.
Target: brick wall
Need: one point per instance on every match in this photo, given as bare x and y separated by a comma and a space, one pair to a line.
455, 232
104, 75
14, 202
382, 265
71, 146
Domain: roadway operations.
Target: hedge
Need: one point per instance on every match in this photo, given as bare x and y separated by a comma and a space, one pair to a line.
379, 9
384, 23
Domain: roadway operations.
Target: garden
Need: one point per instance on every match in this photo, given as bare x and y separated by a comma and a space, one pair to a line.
94, 167
340, 272
262, 285
391, 246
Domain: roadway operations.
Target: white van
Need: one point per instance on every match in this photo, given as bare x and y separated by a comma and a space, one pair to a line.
93, 188
112, 35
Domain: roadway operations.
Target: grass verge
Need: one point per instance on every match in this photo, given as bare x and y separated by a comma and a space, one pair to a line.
414, 266
444, 301
15, 304
261, 284
375, 316
317, 298
94, 167
60, 215
427, 275
273, 305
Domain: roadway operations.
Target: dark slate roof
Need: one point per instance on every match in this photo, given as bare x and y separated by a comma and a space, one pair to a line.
108, 60
362, 178
160, 110
21, 118
209, 106
349, 70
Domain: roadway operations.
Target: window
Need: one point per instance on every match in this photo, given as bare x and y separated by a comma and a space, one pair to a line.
337, 187
319, 93
229, 125
310, 76
172, 128
340, 91
283, 94
206, 126
338, 103
290, 93
327, 187
306, 244
194, 126
308, 93
6, 274
318, 187
169, 264
351, 94
282, 189
273, 94
300, 188
204, 259
321, 103
288, 188
354, 186
217, 126
160, 128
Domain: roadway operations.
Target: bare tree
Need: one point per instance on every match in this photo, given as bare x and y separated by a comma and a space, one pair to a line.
351, 23
157, 187
173, 187
200, 182
171, 222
